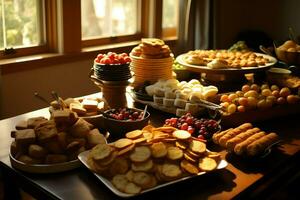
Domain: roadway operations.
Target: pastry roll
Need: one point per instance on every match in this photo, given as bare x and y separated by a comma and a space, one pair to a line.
241, 148
261, 144
217, 136
230, 144
233, 133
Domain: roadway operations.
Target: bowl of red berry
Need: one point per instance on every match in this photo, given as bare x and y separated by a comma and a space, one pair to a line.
202, 129
122, 120
112, 67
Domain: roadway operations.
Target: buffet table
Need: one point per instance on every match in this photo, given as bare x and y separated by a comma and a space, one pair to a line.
242, 178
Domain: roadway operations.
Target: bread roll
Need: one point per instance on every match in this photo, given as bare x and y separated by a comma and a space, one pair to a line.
36, 151
230, 144
217, 136
94, 137
35, 121
46, 132
28, 160
233, 133
261, 144
80, 129
25, 137
241, 148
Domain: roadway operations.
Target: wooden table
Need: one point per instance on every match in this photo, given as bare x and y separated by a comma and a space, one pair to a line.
243, 178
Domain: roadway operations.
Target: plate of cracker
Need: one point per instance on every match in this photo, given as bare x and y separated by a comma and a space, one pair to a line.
223, 61
148, 159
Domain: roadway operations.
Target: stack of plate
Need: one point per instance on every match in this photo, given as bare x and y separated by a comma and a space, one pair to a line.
151, 70
112, 72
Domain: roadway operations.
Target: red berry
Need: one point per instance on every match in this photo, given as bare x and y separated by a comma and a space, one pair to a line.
201, 137
135, 115
184, 126
190, 130
189, 120
120, 116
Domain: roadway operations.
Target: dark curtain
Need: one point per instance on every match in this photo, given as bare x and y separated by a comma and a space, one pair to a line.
196, 27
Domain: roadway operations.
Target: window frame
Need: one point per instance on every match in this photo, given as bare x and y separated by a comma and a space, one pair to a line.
142, 29
49, 34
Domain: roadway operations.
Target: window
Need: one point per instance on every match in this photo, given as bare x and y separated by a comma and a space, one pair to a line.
170, 18
21, 24
45, 26
109, 19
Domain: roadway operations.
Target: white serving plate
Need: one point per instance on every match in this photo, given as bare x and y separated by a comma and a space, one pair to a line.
243, 70
44, 168
83, 158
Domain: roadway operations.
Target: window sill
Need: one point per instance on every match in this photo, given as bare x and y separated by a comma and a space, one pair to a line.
13, 65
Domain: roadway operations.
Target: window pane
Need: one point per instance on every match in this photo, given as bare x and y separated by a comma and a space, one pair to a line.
170, 16
20, 23
106, 18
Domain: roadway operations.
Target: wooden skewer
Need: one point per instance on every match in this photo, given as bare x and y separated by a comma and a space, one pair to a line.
37, 95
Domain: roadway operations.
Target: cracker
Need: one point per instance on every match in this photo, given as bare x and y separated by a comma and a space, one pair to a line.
207, 164
166, 129
140, 154
214, 155
193, 154
148, 135
197, 146
126, 149
143, 166
181, 134
148, 128
134, 134
189, 167
189, 158
120, 181
101, 151
132, 188
119, 166
123, 142
142, 179
139, 140
171, 171
159, 150
174, 153
129, 175
108, 160
181, 144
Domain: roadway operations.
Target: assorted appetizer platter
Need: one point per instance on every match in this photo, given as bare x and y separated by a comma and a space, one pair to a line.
151, 158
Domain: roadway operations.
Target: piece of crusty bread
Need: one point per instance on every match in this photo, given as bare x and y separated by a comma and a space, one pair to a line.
37, 151
80, 129
25, 137
94, 137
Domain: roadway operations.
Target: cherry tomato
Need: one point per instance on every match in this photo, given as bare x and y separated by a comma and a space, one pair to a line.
127, 59
100, 56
